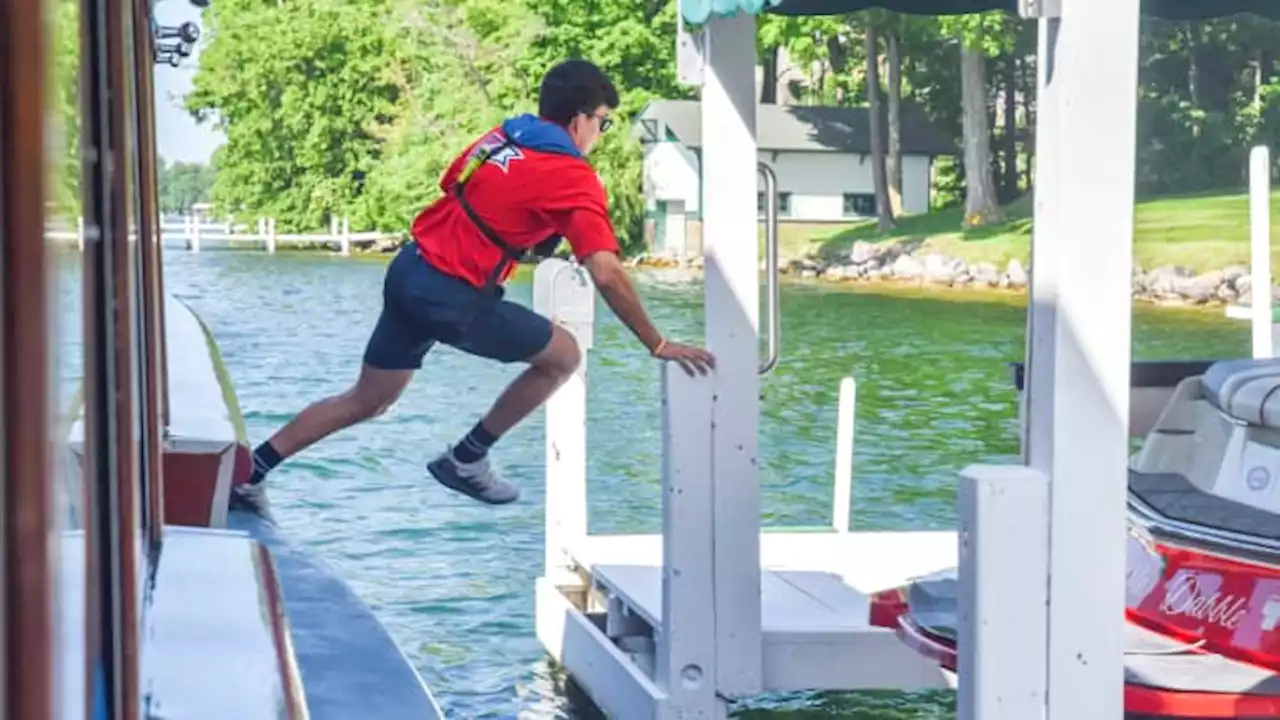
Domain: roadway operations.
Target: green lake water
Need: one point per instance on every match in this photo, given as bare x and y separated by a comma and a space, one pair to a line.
453, 580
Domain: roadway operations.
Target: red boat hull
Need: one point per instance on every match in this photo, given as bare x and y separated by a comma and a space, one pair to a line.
1226, 606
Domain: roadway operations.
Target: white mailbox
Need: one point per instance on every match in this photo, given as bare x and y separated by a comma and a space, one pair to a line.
562, 291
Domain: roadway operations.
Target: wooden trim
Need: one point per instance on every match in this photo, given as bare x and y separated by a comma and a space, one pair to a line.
110, 451
295, 702
149, 246
122, 111
27, 500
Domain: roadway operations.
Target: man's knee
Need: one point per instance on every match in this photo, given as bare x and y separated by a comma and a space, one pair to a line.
562, 355
368, 407
376, 392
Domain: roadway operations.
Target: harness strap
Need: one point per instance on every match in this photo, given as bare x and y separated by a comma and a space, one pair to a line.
509, 254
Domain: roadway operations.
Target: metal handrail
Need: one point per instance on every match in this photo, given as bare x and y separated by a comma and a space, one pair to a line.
771, 267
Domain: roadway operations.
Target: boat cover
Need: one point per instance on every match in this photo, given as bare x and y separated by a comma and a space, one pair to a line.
1247, 390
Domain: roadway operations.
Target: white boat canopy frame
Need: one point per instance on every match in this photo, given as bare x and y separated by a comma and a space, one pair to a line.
1058, 652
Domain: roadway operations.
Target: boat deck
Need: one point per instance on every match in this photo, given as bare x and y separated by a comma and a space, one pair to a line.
349, 664
815, 601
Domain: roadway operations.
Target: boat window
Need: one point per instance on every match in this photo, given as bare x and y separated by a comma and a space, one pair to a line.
149, 338
112, 428
64, 240
33, 621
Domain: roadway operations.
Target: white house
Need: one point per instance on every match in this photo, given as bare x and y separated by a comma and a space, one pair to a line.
820, 155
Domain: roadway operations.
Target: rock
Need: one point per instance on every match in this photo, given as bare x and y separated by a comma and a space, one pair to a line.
906, 267
940, 269
985, 274
863, 252
1233, 273
881, 253
1164, 282
1200, 289
1016, 275
853, 272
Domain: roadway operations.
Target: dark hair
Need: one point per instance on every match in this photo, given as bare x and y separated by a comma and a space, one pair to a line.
573, 87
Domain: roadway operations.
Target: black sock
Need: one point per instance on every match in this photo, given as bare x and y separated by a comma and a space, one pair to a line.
265, 458
475, 445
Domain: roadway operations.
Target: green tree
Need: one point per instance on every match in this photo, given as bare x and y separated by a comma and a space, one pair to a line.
296, 88
183, 184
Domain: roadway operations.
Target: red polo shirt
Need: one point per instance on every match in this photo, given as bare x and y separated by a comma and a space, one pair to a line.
525, 196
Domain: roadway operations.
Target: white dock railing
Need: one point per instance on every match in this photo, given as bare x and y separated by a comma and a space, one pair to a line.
197, 233
842, 504
1260, 251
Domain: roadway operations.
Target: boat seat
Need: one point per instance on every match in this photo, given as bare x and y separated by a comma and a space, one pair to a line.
1246, 390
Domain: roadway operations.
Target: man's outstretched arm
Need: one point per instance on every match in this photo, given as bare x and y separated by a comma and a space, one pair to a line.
611, 280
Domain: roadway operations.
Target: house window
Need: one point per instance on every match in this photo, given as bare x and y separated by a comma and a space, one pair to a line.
859, 205
784, 204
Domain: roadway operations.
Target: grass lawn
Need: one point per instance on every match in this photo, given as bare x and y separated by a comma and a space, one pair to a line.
1201, 232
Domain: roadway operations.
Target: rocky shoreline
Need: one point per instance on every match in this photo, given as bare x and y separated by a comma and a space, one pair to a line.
895, 262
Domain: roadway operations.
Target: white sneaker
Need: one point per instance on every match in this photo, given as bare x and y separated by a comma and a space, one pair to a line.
251, 497
476, 480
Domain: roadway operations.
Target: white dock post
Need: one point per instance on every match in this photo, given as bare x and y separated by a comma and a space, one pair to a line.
1260, 255
729, 160
1004, 558
1079, 350
271, 236
346, 236
563, 292
843, 485
195, 233
686, 647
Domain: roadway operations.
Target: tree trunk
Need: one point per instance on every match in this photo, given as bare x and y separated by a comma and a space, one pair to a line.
980, 206
1028, 82
884, 211
1010, 134
893, 162
769, 69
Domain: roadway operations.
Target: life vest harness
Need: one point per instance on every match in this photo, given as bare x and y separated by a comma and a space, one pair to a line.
489, 292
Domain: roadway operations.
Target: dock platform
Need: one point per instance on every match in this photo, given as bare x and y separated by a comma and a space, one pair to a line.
815, 588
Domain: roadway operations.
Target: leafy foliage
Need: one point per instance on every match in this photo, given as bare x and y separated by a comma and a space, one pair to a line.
182, 185
338, 107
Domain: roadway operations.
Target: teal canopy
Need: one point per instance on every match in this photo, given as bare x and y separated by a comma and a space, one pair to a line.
697, 11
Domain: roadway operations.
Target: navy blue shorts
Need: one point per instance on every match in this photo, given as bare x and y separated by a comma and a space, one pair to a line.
422, 306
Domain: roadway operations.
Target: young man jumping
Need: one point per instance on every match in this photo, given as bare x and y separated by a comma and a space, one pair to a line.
521, 186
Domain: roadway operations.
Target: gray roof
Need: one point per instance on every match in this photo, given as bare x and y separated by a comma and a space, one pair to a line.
807, 128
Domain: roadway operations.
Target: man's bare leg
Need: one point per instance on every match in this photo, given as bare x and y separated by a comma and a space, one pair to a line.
465, 467
547, 371
374, 392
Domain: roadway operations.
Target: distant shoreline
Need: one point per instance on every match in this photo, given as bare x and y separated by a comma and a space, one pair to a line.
889, 265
